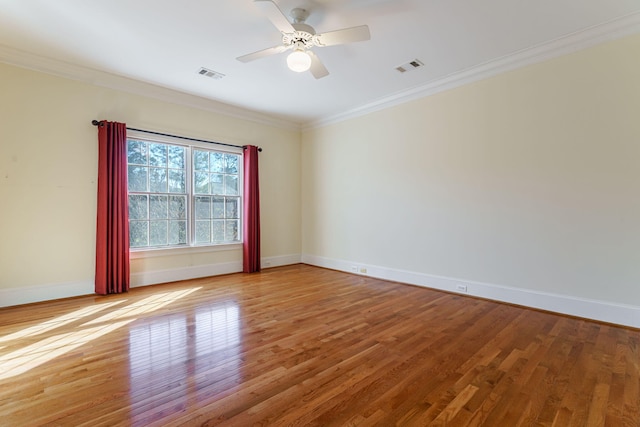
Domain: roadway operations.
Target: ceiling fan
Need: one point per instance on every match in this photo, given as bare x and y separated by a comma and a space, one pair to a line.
301, 37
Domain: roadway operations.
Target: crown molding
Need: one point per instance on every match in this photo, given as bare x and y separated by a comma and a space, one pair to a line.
570, 43
70, 71
611, 30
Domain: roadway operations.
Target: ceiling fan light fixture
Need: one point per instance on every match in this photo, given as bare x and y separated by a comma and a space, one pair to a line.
300, 37
298, 61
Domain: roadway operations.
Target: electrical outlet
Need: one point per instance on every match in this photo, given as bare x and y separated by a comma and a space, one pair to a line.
461, 288
354, 268
363, 270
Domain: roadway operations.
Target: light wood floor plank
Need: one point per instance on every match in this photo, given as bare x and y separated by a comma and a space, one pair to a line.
300, 345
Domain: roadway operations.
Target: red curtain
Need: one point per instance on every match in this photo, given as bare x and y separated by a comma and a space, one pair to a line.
112, 235
251, 224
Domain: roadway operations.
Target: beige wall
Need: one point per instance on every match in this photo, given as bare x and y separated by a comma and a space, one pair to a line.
48, 170
527, 180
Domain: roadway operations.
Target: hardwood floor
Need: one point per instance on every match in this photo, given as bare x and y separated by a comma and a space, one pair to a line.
300, 345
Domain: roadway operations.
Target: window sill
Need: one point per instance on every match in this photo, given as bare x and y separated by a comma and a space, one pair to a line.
187, 250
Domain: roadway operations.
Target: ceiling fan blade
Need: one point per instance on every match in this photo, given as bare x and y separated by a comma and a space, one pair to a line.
261, 53
347, 35
317, 67
275, 15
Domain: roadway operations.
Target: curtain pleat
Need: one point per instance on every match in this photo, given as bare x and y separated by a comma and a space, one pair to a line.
251, 220
112, 231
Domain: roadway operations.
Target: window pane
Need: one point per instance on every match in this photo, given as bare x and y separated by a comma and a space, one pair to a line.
177, 232
200, 160
177, 181
138, 235
177, 207
158, 180
231, 208
137, 178
203, 207
203, 231
231, 230
158, 155
231, 185
138, 208
217, 162
231, 163
218, 231
158, 207
218, 207
201, 183
176, 157
158, 233
162, 195
217, 181
137, 152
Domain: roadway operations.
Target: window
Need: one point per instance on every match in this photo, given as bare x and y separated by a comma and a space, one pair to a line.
182, 195
217, 196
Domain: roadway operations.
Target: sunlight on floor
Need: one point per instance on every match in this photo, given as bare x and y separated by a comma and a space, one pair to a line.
23, 359
58, 321
146, 305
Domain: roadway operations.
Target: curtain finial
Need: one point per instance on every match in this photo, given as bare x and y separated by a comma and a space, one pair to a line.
244, 147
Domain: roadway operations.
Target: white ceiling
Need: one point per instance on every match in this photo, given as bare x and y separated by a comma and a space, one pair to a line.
165, 42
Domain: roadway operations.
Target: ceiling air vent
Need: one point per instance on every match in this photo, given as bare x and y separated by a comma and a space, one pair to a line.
210, 73
409, 66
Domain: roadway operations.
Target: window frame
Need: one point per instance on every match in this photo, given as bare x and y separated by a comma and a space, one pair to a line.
190, 246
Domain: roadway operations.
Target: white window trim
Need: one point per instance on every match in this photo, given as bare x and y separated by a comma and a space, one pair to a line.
152, 252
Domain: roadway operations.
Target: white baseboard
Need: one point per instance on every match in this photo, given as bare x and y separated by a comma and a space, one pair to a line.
30, 294
147, 278
164, 276
620, 314
53, 291
278, 261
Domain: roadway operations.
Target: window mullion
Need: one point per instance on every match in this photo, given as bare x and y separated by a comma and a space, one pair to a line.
190, 198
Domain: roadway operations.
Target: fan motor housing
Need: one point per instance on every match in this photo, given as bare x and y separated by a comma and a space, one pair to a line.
301, 36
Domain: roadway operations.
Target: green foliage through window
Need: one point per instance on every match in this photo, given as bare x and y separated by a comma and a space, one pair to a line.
162, 209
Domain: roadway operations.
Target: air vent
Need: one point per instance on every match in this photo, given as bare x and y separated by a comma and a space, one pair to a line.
409, 66
210, 73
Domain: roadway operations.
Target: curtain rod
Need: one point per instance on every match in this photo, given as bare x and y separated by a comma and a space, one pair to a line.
97, 123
